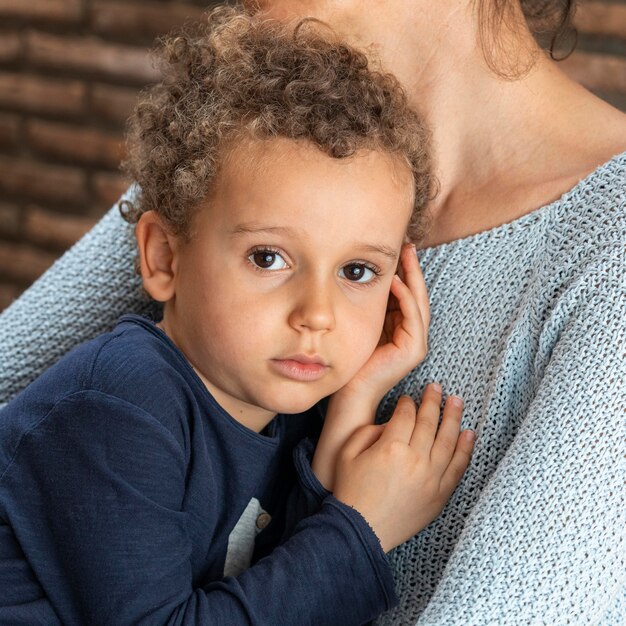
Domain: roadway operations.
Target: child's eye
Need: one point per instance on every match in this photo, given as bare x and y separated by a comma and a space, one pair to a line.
267, 260
358, 273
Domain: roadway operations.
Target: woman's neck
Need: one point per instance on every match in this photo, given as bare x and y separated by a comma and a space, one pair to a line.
518, 146
501, 148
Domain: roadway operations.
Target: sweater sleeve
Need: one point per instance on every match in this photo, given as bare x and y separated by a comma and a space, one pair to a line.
545, 543
94, 494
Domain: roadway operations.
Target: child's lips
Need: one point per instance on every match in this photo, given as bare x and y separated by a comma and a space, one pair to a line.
300, 367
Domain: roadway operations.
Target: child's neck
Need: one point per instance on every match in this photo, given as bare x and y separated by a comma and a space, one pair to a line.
253, 417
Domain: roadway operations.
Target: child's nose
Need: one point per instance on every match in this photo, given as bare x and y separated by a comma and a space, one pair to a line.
313, 308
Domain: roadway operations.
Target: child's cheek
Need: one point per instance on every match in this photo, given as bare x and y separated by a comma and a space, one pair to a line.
368, 335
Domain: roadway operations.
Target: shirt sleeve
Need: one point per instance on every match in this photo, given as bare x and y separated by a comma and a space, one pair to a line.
307, 494
546, 542
94, 493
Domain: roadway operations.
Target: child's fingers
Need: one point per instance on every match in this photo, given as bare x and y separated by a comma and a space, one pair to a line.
402, 423
412, 319
412, 275
455, 470
448, 433
427, 420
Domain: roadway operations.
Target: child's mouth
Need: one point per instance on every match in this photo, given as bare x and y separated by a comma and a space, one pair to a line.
300, 367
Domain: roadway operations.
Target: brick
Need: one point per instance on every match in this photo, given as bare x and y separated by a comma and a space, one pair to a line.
10, 47
598, 72
144, 21
114, 104
62, 11
601, 18
108, 188
74, 143
22, 262
8, 293
9, 131
40, 181
9, 219
89, 55
54, 229
40, 95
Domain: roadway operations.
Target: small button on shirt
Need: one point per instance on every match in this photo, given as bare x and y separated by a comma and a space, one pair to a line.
263, 520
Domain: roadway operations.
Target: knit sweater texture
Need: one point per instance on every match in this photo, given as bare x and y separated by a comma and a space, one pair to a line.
529, 327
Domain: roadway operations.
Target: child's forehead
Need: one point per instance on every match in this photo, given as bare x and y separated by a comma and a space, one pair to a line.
278, 165
290, 189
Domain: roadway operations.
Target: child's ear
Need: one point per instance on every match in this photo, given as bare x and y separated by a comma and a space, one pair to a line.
157, 255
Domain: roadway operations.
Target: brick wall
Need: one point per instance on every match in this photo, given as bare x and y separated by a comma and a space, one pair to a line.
69, 74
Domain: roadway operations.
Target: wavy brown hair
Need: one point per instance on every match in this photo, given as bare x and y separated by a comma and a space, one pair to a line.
550, 21
237, 76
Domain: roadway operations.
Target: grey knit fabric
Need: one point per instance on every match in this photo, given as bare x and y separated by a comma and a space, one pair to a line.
529, 326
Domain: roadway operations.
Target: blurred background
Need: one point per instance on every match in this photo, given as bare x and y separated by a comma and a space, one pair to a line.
70, 71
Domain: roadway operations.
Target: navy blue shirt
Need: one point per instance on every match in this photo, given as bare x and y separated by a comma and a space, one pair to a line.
129, 496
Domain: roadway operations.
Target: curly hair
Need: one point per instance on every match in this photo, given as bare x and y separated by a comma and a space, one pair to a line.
235, 76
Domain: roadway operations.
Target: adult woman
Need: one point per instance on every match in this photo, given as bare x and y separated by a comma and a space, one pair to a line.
523, 261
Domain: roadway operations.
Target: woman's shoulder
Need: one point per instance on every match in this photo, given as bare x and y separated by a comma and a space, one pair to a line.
604, 185
548, 254
590, 220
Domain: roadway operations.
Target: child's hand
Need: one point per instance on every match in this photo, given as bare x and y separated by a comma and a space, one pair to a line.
404, 338
402, 346
399, 475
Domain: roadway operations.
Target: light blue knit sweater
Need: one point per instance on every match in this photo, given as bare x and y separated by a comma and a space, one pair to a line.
529, 326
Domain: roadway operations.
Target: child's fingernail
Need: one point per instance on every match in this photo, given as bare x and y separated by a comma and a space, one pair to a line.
435, 387
458, 402
470, 435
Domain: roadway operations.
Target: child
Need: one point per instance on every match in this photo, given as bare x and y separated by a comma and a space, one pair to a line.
155, 475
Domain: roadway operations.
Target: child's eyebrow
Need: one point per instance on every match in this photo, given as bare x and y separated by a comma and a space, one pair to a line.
244, 229
381, 249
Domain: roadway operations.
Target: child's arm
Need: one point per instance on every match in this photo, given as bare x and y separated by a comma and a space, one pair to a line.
94, 494
400, 475
404, 343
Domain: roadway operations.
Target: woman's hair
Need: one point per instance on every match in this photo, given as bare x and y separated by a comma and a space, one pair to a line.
549, 17
550, 21
235, 77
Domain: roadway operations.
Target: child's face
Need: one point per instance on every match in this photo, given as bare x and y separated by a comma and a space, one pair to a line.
281, 293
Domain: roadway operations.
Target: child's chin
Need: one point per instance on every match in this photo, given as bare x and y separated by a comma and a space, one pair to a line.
292, 408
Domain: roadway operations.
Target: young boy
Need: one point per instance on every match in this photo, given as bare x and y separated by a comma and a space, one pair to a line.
155, 475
